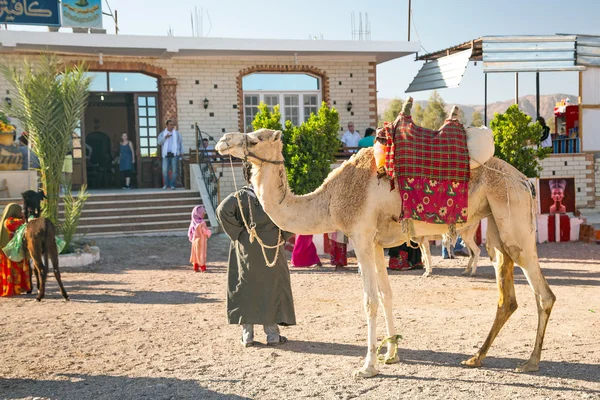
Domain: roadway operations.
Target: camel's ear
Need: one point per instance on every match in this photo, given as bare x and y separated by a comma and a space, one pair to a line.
276, 136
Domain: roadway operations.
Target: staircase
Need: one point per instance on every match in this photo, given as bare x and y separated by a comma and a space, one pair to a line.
133, 212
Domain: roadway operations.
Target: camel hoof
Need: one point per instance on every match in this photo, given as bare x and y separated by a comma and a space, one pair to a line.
529, 366
426, 274
465, 272
367, 372
472, 362
391, 360
474, 273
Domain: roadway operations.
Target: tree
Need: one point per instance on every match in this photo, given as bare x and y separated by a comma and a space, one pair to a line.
308, 149
391, 112
476, 119
517, 140
435, 113
417, 114
49, 100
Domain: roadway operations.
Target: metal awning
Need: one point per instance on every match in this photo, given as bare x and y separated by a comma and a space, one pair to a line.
588, 50
530, 53
443, 72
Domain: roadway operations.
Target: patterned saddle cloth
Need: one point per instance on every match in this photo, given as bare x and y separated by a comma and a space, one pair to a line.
431, 169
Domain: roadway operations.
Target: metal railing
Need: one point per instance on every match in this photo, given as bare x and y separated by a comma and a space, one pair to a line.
204, 158
565, 146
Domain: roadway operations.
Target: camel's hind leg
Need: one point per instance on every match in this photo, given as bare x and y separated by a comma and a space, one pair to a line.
426, 255
468, 236
544, 299
53, 252
365, 253
385, 298
507, 301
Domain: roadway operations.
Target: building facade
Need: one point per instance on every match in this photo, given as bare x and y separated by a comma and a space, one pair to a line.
141, 82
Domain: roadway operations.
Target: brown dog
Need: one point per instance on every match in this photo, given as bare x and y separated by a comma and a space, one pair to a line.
40, 240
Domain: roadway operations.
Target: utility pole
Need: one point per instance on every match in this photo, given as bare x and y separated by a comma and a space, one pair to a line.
409, 11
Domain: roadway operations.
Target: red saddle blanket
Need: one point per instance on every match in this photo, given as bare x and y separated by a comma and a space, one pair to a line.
431, 169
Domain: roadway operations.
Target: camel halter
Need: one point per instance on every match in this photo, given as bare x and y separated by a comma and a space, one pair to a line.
251, 228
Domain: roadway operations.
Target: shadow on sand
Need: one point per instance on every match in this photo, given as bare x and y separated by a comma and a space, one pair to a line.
100, 387
550, 369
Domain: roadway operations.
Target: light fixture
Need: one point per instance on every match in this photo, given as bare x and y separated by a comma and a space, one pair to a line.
8, 101
349, 106
100, 59
205, 103
102, 97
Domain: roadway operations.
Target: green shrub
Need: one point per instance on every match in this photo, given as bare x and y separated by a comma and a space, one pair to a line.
308, 149
517, 141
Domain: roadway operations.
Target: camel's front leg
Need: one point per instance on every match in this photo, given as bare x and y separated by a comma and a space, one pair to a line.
365, 254
385, 298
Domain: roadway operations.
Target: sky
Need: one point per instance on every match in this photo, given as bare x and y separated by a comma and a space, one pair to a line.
437, 24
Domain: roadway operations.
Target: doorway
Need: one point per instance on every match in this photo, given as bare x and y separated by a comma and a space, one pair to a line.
106, 118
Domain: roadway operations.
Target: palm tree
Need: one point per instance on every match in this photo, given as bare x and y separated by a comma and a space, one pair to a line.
49, 99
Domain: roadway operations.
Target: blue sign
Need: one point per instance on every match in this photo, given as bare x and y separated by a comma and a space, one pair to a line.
82, 13
30, 12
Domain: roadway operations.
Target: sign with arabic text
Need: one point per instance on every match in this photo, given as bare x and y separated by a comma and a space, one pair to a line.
30, 12
82, 13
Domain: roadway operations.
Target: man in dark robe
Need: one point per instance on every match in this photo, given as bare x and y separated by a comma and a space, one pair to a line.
256, 293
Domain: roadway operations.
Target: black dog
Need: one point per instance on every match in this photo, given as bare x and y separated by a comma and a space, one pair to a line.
31, 203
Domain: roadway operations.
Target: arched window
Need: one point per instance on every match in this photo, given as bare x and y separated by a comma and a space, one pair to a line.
298, 95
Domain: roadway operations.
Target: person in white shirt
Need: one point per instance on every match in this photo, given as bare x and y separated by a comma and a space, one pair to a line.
172, 148
351, 137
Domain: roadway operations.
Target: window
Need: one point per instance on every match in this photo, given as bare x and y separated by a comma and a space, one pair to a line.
122, 82
291, 109
148, 125
298, 94
271, 100
311, 105
250, 110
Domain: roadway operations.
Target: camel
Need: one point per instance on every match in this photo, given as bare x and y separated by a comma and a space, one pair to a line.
352, 199
468, 236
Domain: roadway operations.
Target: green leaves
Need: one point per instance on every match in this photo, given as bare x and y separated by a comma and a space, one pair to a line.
308, 149
434, 114
517, 140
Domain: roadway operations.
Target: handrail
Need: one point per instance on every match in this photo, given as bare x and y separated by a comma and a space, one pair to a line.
213, 156
565, 145
206, 167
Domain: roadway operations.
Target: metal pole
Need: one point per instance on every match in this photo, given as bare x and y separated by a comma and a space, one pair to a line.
409, 20
116, 23
485, 100
516, 88
537, 94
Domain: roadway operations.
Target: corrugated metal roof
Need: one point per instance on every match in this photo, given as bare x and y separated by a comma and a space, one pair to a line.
588, 50
529, 53
445, 72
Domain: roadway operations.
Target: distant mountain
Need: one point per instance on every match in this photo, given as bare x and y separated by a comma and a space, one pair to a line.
526, 103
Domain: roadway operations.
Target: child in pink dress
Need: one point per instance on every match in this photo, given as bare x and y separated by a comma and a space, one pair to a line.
198, 235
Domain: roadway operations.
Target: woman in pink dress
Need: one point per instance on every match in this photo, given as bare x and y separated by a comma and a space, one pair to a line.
198, 235
305, 252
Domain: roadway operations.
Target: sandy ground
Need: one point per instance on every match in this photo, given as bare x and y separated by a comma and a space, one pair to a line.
142, 325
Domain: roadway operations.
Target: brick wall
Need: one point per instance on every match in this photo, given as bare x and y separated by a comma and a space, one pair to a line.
216, 78
579, 166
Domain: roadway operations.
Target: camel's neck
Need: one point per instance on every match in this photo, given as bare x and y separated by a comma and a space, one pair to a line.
305, 215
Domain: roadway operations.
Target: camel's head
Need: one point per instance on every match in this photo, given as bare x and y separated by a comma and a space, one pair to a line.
258, 146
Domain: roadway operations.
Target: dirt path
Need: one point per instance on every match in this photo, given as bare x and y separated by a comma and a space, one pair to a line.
141, 324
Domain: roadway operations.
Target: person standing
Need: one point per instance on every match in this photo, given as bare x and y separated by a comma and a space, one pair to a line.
126, 159
351, 137
14, 276
368, 140
256, 293
338, 250
172, 148
305, 252
546, 139
198, 233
